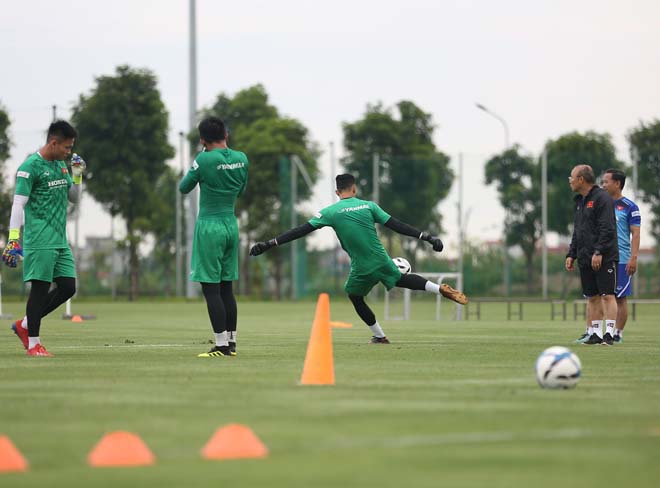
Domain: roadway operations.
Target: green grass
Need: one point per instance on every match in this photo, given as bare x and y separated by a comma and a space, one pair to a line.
447, 404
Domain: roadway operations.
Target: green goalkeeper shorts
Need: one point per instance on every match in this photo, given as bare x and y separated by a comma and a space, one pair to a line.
215, 250
361, 284
48, 264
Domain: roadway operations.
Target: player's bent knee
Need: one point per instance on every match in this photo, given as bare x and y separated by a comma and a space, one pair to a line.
67, 287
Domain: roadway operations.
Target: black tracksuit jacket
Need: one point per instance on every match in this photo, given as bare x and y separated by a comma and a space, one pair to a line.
595, 228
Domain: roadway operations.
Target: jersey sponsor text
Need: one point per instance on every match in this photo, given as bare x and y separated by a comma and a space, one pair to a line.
230, 166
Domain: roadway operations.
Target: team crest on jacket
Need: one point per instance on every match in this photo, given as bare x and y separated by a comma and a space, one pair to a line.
590, 204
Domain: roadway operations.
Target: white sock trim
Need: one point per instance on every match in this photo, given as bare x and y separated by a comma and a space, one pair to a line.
432, 287
33, 341
376, 330
221, 339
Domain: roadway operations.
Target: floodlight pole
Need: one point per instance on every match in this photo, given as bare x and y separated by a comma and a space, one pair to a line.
294, 243
179, 250
544, 221
461, 226
507, 264
333, 170
191, 290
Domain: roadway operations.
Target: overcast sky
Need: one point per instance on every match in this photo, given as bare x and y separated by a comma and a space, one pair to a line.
547, 67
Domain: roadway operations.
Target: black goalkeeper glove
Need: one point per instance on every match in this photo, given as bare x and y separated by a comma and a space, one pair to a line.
437, 244
262, 247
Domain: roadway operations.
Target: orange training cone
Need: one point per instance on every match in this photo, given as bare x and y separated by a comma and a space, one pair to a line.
319, 366
234, 441
120, 448
11, 458
77, 318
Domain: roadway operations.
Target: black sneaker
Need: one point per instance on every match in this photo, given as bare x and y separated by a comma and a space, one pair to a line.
379, 340
232, 348
216, 352
593, 339
608, 340
618, 339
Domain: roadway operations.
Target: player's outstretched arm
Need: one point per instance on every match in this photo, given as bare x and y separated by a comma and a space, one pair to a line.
13, 252
288, 236
408, 230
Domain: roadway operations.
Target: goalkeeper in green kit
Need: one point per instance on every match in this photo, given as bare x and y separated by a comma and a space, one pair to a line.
353, 220
43, 188
221, 174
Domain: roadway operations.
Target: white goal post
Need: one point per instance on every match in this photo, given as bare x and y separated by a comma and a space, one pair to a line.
439, 278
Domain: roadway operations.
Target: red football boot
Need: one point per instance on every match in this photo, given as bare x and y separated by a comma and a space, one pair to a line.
39, 350
20, 332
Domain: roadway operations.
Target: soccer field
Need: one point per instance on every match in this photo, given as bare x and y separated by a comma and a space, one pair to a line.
447, 404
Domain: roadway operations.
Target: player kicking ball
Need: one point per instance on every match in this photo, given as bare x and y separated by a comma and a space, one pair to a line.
353, 220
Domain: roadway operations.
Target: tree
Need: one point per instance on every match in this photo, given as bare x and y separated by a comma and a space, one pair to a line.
5, 193
645, 145
518, 185
257, 128
122, 133
414, 175
563, 154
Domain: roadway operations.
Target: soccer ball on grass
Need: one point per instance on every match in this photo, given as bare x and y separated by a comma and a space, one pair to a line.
558, 367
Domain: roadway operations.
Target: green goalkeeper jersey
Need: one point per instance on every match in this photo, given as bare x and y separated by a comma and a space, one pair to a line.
353, 221
222, 175
46, 184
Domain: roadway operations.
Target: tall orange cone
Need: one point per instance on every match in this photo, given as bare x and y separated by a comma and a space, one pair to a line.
234, 441
11, 458
319, 366
120, 448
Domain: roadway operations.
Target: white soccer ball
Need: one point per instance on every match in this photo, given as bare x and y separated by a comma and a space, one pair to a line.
402, 264
558, 367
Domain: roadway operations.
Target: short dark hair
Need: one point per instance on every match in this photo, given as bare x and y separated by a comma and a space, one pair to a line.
212, 129
587, 173
61, 130
617, 175
345, 181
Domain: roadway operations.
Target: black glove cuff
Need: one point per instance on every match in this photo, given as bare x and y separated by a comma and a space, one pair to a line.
425, 236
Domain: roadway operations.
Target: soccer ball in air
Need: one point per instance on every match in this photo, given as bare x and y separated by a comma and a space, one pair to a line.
558, 367
402, 264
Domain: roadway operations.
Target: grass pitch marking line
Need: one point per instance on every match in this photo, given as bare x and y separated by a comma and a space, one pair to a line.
482, 438
133, 346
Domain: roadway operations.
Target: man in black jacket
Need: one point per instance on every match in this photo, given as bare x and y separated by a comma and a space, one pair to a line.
594, 245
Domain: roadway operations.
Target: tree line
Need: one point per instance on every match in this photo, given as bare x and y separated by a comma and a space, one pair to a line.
123, 135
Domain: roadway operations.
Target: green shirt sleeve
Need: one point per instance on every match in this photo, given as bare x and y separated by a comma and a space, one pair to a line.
380, 215
191, 179
25, 179
320, 219
242, 190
